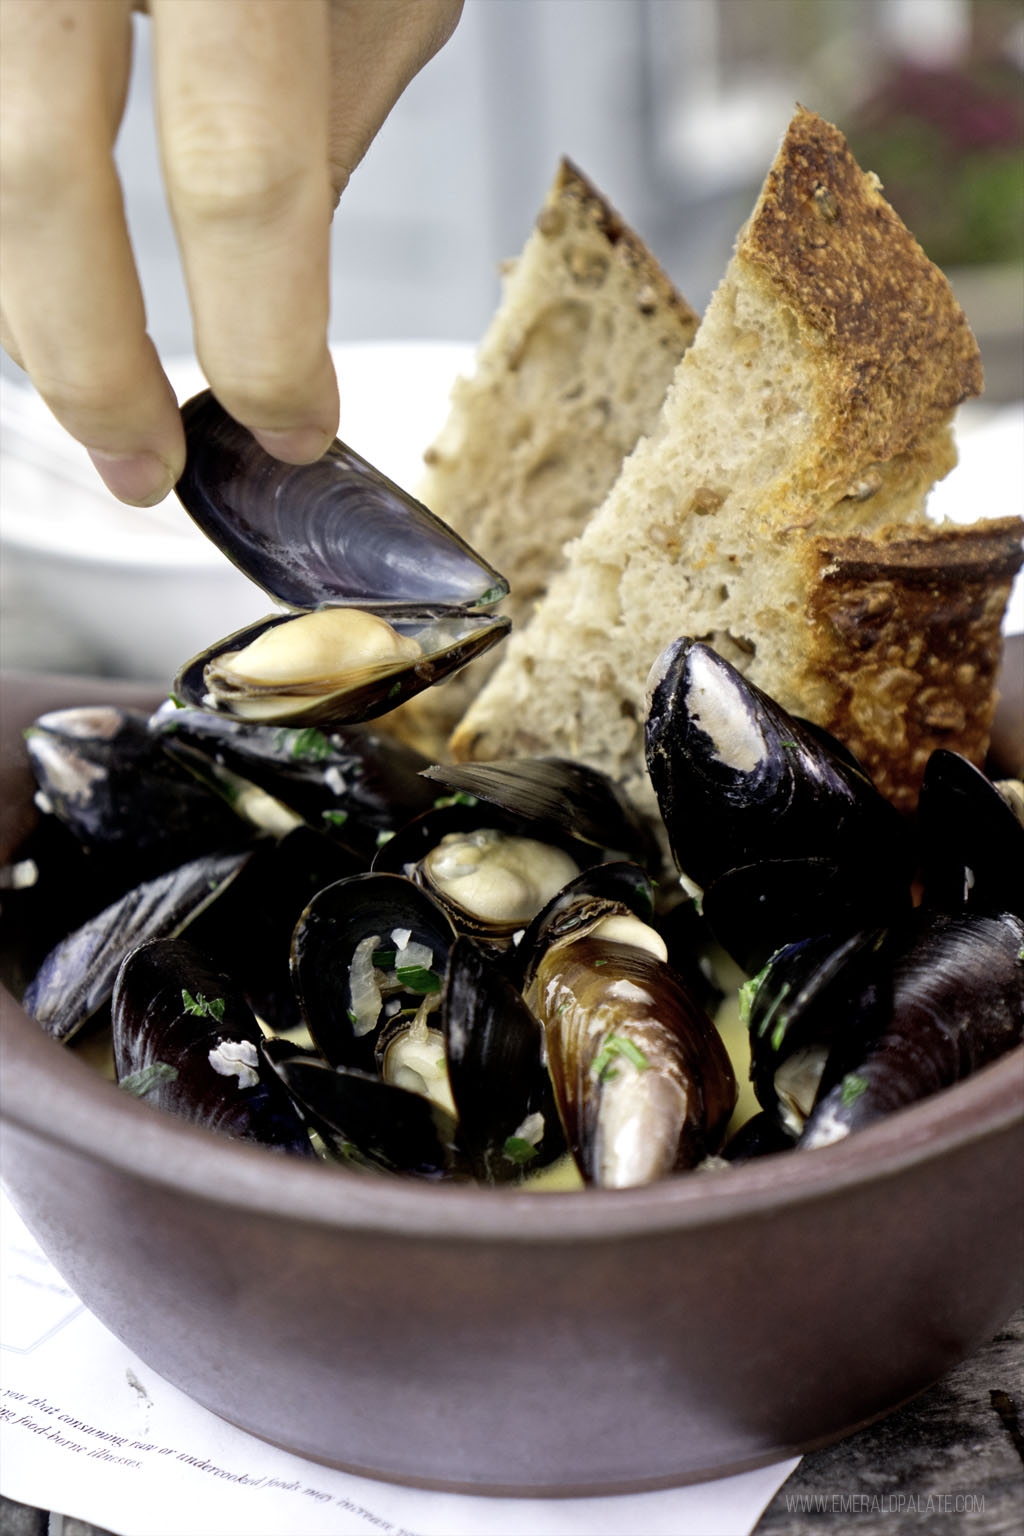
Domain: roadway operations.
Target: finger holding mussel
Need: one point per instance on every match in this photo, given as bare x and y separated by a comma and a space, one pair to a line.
385, 599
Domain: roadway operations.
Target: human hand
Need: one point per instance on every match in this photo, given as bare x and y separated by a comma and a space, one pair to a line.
264, 108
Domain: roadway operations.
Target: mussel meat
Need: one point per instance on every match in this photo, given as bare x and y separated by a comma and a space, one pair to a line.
385, 599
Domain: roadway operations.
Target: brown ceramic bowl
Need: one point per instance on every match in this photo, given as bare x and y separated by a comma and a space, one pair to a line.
487, 1340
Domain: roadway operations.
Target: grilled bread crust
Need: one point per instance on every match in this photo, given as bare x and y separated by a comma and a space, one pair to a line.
794, 453
572, 370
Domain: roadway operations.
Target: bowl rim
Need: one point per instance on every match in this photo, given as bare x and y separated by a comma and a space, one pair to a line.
53, 1095
50, 1094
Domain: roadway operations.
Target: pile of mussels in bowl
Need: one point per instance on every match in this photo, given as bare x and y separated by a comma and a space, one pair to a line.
423, 1119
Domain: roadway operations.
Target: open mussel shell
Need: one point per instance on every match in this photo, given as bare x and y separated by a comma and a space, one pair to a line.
77, 977
186, 1041
508, 1120
101, 773
248, 929
971, 838
492, 870
366, 948
333, 534
338, 694
809, 994
740, 782
579, 801
956, 982
353, 784
642, 1078
370, 1123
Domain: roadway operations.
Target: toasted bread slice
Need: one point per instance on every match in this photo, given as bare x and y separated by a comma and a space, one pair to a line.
813, 409
573, 368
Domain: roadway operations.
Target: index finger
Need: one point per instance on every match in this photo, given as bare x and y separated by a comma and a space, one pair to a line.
242, 103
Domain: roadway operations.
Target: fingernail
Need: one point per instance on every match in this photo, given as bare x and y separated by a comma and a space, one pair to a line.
300, 446
142, 479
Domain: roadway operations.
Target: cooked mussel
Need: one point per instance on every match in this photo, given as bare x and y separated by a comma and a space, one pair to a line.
365, 949
776, 823
956, 985
402, 1010
186, 1041
808, 995
77, 977
491, 870
643, 1081
354, 784
555, 793
101, 773
385, 599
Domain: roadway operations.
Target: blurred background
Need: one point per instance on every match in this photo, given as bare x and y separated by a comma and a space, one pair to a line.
675, 109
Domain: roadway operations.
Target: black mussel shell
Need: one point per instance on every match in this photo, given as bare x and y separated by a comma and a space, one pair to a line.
971, 839
334, 534
810, 994
556, 792
508, 1122
957, 986
337, 531
414, 852
369, 1123
336, 969
740, 781
101, 773
248, 930
77, 977
186, 1041
759, 1136
449, 640
756, 909
353, 784
643, 1081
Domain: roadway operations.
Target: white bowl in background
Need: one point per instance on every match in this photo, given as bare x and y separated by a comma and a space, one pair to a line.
92, 586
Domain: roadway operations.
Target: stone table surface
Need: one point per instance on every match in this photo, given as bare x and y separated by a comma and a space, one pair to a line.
950, 1461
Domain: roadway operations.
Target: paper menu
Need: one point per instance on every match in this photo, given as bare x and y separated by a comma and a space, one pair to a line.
88, 1429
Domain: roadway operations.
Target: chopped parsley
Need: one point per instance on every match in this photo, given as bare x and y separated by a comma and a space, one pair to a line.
518, 1150
615, 1046
307, 743
460, 797
139, 1083
416, 978
852, 1088
212, 1007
